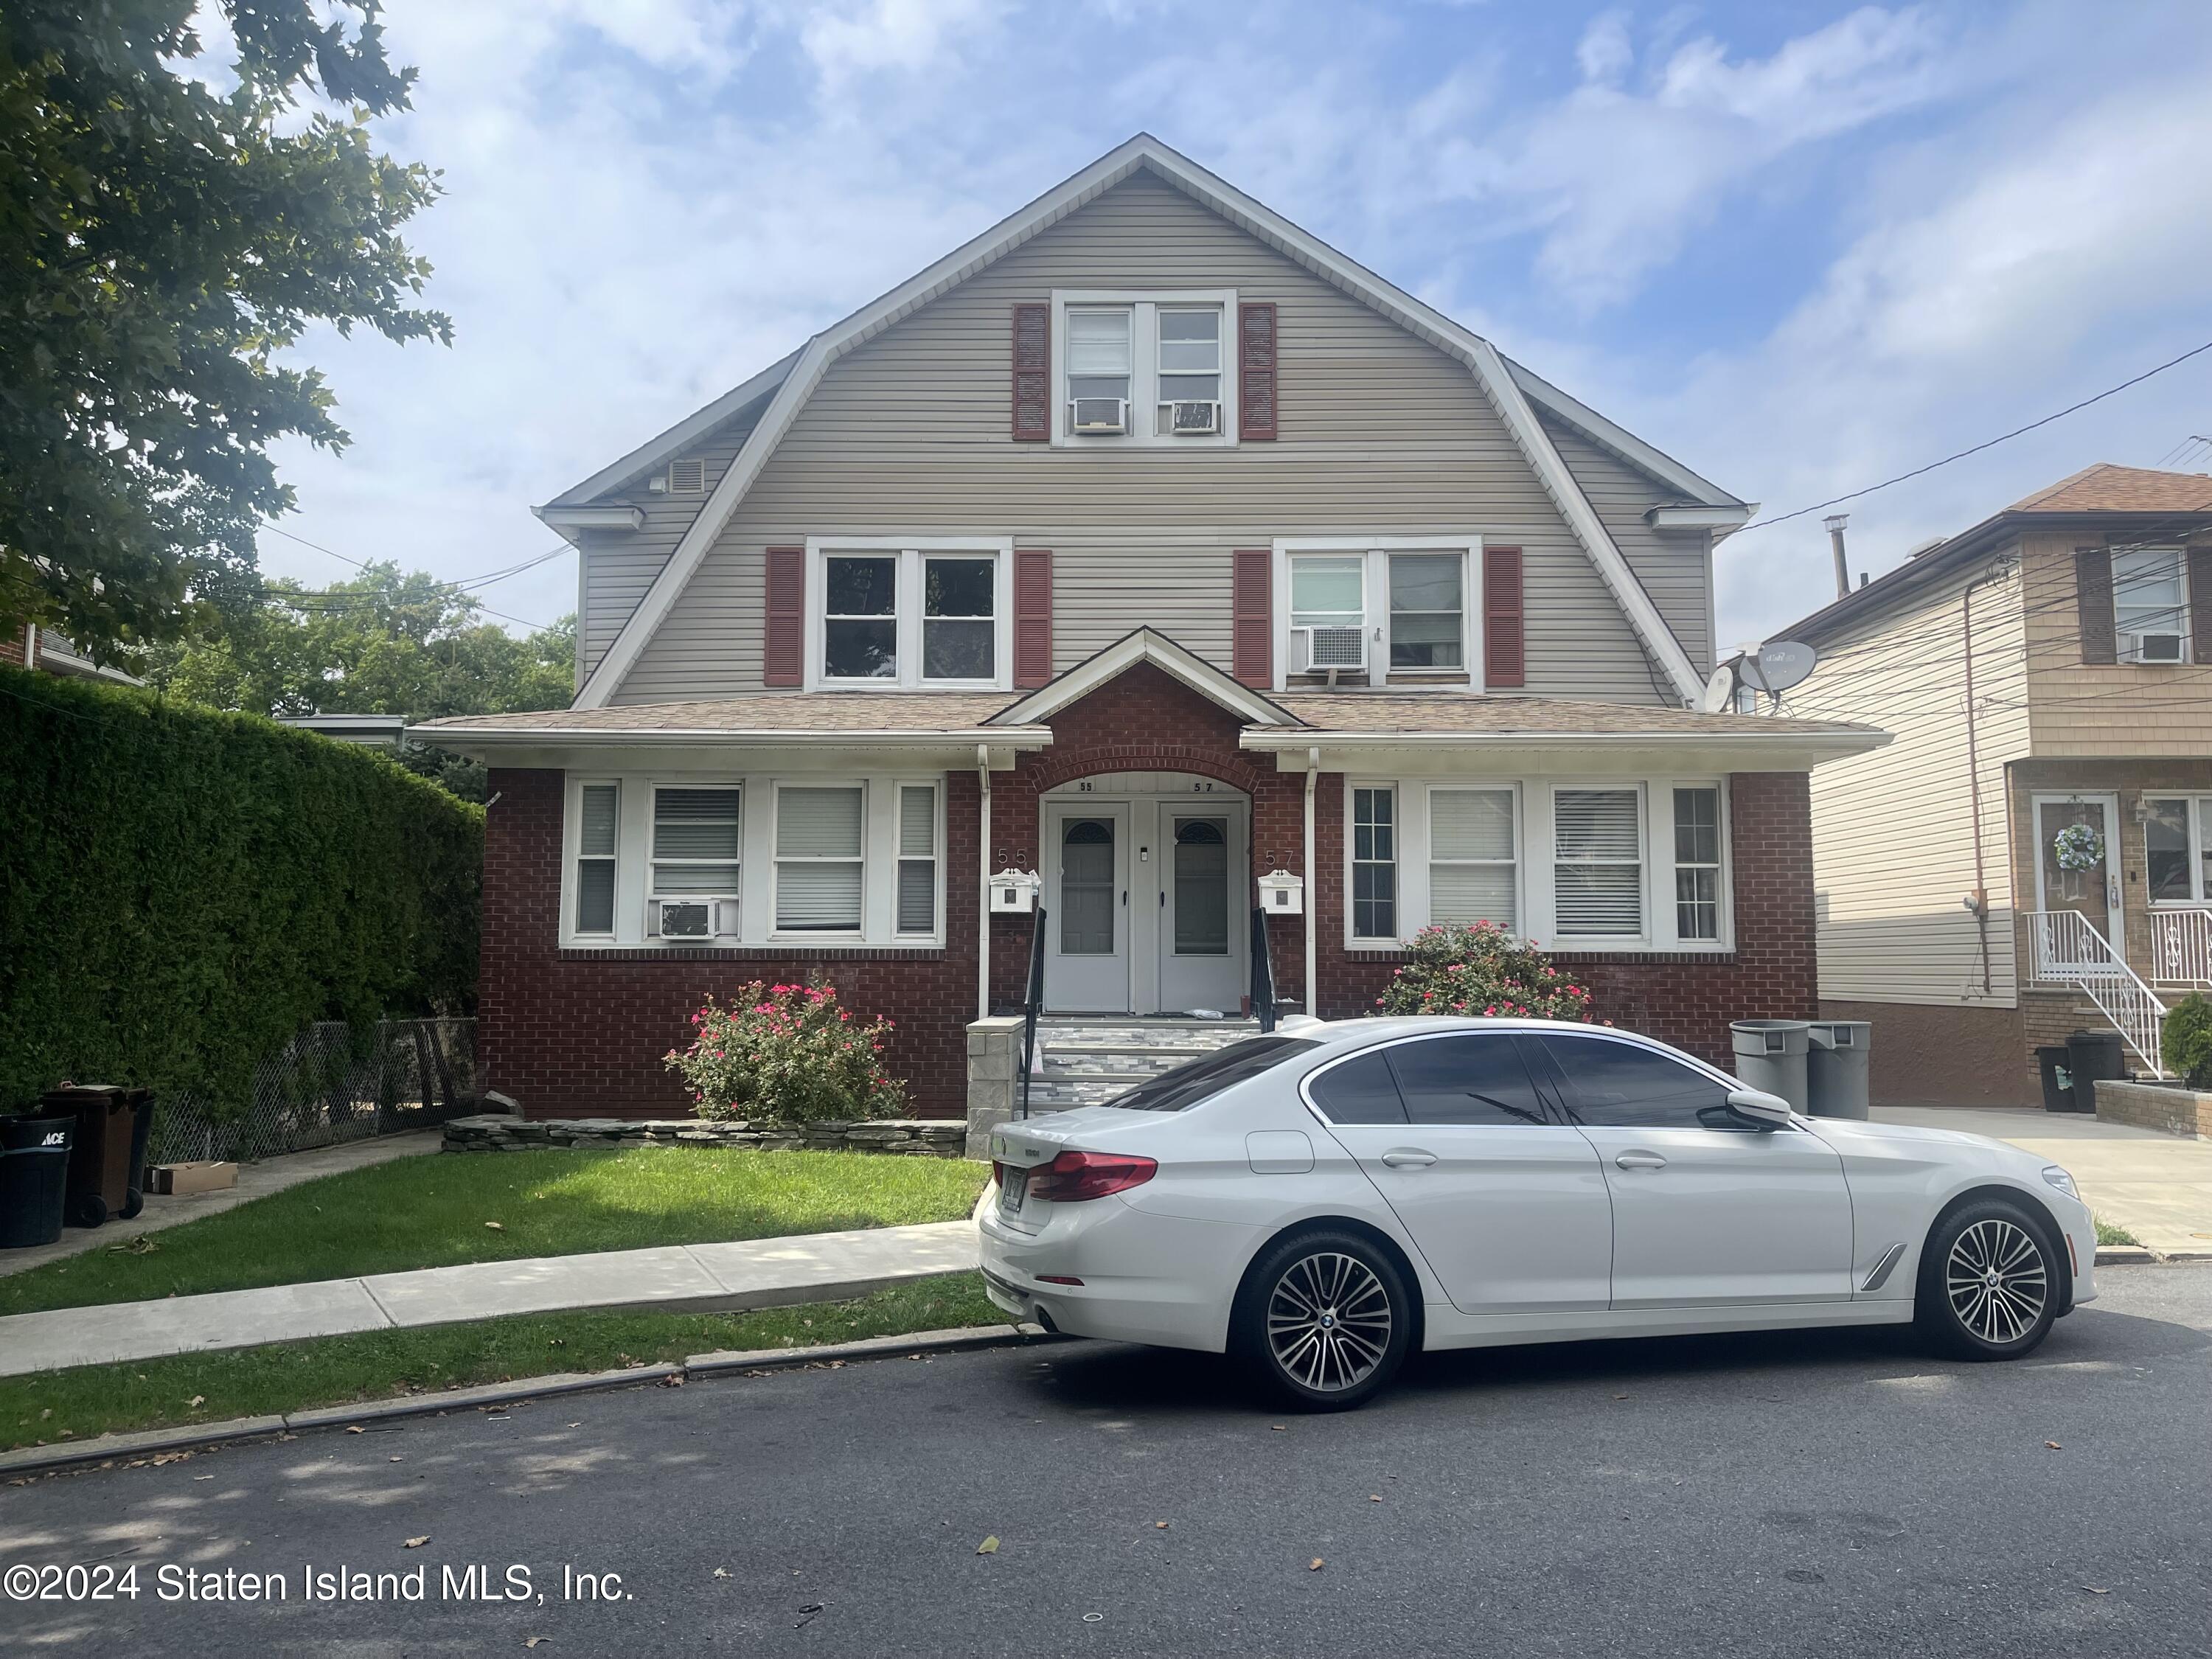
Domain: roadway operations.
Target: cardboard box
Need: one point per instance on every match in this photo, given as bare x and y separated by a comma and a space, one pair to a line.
181, 1180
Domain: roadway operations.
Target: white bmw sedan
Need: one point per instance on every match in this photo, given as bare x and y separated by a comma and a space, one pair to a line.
1321, 1202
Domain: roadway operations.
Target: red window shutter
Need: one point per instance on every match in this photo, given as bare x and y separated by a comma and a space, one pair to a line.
1032, 617
1505, 658
1033, 373
1255, 370
1252, 623
2092, 599
783, 650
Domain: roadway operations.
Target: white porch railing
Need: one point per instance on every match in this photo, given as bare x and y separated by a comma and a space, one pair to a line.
2181, 947
2070, 951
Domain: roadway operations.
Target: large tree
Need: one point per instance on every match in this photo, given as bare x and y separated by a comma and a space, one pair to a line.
163, 242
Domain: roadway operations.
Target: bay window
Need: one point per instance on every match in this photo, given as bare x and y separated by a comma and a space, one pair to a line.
1597, 863
1473, 864
931, 613
818, 838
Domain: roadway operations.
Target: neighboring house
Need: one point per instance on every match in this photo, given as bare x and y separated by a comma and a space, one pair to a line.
51, 653
371, 731
2049, 668
1147, 543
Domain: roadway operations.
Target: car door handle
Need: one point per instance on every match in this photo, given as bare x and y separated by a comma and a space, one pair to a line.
1641, 1161
1407, 1158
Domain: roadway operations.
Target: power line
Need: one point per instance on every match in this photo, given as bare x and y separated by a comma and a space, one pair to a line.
358, 564
1917, 471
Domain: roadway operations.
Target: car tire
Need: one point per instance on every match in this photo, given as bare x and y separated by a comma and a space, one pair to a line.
1990, 1281
1323, 1321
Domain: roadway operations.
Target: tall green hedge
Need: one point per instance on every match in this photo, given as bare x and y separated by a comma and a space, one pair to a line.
181, 890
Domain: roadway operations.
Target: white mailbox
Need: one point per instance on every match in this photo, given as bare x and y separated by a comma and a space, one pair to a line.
1282, 894
1014, 892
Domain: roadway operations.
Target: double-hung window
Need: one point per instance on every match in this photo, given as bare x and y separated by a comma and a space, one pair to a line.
917, 859
1389, 612
1698, 862
930, 616
1597, 863
2178, 848
1375, 863
1189, 378
1143, 369
1100, 361
693, 892
1328, 612
2150, 603
1428, 610
819, 833
599, 813
1473, 858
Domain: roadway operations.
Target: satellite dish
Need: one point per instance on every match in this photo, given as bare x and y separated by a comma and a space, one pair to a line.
1720, 690
1778, 665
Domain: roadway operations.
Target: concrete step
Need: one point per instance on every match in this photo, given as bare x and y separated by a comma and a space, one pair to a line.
1054, 1095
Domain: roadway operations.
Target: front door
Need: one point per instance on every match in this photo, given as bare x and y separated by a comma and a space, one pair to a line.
1201, 966
1086, 899
1705, 1213
2077, 868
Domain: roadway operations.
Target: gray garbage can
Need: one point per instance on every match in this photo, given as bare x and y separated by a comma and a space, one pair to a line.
1836, 1066
1770, 1055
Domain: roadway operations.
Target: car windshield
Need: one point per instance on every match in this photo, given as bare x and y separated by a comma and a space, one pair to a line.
1202, 1079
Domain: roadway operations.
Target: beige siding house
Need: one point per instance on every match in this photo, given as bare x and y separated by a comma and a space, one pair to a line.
1140, 549
2047, 678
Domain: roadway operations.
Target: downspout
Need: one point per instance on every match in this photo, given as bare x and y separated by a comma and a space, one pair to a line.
1981, 895
1309, 990
983, 883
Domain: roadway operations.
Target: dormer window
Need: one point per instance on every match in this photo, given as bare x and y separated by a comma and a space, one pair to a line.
1143, 369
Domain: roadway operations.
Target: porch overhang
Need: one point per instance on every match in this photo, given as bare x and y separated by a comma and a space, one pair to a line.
1592, 751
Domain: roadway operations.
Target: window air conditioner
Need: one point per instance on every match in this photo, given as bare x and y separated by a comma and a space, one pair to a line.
1098, 414
2155, 647
691, 918
1336, 647
1190, 420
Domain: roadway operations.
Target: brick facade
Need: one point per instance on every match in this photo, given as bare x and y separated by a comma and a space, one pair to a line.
582, 1033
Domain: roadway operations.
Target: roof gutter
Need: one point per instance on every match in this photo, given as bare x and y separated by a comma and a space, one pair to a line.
594, 737
1836, 743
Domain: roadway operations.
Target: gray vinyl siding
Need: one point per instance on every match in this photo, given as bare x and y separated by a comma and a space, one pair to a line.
1673, 565
1893, 830
1380, 434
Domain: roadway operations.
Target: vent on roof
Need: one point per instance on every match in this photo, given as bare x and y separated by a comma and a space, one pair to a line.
686, 478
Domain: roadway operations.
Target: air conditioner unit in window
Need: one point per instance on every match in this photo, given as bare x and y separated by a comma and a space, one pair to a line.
1098, 414
1193, 420
1336, 648
2153, 647
691, 918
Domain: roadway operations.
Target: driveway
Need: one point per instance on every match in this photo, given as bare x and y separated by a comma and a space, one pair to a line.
2158, 1187
1831, 1492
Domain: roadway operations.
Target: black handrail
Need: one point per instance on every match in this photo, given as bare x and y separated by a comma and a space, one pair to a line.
1032, 1001
1263, 972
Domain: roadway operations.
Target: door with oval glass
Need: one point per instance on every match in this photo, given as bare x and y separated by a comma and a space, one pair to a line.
1200, 954
1086, 900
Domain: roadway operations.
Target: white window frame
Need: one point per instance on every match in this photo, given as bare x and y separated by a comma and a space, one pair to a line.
1353, 937
2122, 634
1143, 306
2196, 800
572, 855
734, 897
1722, 905
911, 554
896, 788
1376, 551
1643, 790
777, 933
1507, 787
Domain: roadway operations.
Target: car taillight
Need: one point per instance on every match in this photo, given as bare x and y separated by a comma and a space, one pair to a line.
1074, 1177
998, 1172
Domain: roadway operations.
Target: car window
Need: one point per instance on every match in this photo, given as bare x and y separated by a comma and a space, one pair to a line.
1202, 1079
1626, 1084
1468, 1079
1360, 1091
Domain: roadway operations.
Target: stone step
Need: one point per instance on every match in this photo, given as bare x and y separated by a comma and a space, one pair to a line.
1053, 1094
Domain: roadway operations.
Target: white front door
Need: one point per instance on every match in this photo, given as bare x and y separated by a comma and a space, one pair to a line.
1200, 963
1086, 900
2081, 874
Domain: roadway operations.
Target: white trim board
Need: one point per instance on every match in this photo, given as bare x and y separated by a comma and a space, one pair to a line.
1143, 646
1144, 151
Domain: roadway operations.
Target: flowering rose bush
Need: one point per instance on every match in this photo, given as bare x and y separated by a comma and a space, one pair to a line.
788, 1053
1482, 970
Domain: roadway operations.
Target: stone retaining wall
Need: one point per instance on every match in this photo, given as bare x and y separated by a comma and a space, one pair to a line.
2170, 1111
902, 1136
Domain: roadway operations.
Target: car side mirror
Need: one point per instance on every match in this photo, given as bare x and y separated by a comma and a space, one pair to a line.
1759, 1109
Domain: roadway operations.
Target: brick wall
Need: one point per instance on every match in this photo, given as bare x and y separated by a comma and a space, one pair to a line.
581, 1033
11, 646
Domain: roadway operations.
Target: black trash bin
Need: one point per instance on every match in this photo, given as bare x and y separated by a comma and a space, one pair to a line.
2095, 1056
35, 1154
2051, 1064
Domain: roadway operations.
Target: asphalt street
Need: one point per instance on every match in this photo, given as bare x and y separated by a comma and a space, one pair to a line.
1835, 1494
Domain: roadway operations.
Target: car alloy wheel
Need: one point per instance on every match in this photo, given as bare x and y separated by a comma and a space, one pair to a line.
1328, 1322
1996, 1281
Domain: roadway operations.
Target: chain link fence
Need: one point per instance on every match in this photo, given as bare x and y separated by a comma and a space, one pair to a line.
332, 1083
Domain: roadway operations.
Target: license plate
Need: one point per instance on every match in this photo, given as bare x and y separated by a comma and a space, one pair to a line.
1014, 1188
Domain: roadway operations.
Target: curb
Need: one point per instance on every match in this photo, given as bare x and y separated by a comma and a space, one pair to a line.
35, 1460
2114, 1255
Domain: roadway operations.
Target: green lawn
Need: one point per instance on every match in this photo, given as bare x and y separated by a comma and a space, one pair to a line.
434, 1211
91, 1400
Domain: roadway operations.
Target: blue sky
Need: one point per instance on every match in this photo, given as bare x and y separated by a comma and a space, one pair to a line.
1801, 246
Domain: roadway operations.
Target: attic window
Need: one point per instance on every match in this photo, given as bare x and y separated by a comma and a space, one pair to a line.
687, 477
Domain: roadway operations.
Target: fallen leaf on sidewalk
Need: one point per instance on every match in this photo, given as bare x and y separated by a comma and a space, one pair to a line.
1374, 1497
1314, 1565
416, 1543
2093, 1590
989, 1547
1160, 1526
532, 1641
721, 1572
2053, 1445
355, 1428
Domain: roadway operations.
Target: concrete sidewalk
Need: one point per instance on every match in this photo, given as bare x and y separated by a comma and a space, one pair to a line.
761, 1273
2158, 1187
